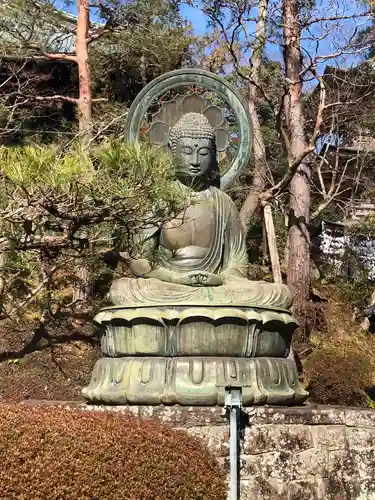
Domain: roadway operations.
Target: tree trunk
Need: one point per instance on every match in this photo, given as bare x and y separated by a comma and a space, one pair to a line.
299, 206
142, 67
258, 184
83, 287
81, 291
3, 263
84, 73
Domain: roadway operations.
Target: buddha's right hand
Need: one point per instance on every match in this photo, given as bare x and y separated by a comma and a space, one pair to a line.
195, 278
203, 278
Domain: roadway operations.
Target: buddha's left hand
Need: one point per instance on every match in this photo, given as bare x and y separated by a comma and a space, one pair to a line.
202, 278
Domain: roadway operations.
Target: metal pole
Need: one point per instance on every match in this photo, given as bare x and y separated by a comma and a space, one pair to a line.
233, 448
233, 403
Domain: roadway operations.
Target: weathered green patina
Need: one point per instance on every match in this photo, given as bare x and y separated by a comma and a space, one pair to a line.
190, 322
206, 80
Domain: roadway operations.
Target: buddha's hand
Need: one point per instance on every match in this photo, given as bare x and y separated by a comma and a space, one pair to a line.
202, 278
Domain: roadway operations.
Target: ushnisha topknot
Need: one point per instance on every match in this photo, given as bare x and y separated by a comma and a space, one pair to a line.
193, 126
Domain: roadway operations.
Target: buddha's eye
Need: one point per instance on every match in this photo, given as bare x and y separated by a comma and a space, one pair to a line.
204, 151
187, 150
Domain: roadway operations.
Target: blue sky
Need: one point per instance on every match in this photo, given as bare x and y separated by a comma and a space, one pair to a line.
328, 44
196, 17
331, 43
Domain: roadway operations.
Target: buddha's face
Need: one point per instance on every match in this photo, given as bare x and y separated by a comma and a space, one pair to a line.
194, 157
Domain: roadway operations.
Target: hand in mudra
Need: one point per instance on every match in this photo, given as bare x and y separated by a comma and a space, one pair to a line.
195, 278
202, 278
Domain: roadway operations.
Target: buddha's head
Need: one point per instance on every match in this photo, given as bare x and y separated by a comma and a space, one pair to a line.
193, 145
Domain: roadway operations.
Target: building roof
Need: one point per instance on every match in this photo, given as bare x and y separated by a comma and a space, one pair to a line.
41, 25
353, 88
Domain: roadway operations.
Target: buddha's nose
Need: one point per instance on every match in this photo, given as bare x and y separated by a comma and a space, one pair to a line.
194, 162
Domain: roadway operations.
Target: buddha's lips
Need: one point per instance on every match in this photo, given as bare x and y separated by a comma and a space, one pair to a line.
195, 170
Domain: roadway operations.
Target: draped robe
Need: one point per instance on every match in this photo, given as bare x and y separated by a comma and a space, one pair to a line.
225, 256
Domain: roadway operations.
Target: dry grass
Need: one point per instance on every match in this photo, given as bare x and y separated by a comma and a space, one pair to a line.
340, 366
54, 364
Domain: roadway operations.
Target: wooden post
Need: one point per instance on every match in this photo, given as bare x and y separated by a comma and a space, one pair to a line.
272, 246
264, 243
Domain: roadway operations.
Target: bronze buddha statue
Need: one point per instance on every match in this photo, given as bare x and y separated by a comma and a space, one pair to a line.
199, 257
190, 322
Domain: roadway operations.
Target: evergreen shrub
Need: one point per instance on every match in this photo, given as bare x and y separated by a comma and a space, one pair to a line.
55, 453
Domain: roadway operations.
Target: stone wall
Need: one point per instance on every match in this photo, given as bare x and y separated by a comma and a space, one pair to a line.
300, 453
334, 245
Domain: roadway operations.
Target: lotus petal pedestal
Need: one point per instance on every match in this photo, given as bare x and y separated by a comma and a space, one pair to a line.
187, 355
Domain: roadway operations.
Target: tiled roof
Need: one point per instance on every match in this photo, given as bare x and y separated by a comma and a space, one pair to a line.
58, 34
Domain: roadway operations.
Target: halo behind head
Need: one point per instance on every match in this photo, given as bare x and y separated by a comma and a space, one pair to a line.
218, 88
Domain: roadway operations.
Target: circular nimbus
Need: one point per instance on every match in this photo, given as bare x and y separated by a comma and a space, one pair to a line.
208, 81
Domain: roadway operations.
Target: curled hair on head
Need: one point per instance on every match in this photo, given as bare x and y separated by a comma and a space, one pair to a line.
196, 126
192, 126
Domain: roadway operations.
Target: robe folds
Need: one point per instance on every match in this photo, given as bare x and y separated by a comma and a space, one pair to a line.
225, 256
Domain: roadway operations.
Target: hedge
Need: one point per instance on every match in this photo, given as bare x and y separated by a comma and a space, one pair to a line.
53, 453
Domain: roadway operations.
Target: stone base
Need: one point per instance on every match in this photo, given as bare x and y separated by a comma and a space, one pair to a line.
188, 355
195, 331
198, 381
